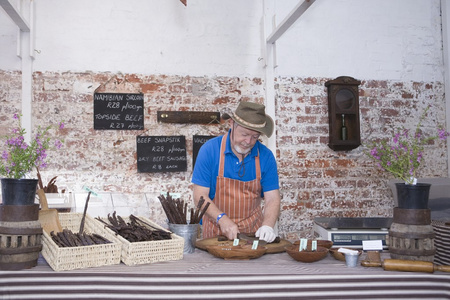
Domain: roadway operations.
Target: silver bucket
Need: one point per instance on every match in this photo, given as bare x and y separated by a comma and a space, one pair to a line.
188, 232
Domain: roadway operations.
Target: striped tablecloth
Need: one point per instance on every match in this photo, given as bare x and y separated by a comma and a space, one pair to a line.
202, 276
441, 242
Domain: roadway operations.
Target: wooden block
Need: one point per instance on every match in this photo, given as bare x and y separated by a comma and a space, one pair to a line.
193, 117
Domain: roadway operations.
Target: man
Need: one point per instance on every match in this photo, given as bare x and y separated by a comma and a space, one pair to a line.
234, 172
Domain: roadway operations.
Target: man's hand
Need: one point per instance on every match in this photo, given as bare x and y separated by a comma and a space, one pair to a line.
228, 228
266, 233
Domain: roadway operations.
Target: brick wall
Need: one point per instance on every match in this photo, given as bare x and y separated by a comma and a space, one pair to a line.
315, 180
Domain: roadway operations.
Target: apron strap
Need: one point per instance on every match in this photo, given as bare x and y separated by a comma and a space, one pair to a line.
222, 155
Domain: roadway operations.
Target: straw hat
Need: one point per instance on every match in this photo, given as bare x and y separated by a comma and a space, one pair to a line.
252, 116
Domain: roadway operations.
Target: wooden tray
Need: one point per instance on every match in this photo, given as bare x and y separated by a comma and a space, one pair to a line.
271, 248
307, 256
236, 252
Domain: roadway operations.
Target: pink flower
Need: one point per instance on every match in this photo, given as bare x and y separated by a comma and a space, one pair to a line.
443, 134
20, 157
5, 155
58, 144
402, 154
396, 137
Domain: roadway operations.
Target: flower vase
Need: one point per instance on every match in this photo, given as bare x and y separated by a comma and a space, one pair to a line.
413, 196
18, 191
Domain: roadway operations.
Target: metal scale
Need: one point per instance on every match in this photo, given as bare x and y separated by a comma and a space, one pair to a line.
350, 232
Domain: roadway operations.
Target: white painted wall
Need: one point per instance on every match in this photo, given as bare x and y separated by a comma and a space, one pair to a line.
8, 43
381, 39
143, 36
371, 39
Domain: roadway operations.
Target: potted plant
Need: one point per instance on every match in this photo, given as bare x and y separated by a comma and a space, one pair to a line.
19, 158
402, 155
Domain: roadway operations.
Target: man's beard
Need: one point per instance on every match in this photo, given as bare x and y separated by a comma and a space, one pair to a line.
241, 151
236, 147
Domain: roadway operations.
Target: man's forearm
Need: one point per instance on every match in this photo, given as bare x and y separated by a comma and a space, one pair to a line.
227, 226
271, 207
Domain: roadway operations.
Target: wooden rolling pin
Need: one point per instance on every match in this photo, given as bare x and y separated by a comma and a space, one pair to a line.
406, 265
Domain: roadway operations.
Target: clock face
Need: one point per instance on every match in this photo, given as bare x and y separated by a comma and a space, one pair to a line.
345, 99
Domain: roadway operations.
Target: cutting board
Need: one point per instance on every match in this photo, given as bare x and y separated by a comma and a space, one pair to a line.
271, 248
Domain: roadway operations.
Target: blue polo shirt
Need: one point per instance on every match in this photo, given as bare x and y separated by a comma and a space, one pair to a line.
206, 167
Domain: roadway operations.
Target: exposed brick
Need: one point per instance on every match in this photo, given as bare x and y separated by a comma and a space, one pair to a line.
306, 119
150, 87
390, 112
346, 163
406, 95
301, 153
318, 163
221, 100
375, 84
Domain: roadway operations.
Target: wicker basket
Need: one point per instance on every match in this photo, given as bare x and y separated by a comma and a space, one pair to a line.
69, 258
152, 251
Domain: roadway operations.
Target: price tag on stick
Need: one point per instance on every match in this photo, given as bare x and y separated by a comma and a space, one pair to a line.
314, 245
303, 244
91, 191
255, 245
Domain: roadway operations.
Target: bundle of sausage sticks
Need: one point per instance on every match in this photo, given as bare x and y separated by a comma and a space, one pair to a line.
177, 210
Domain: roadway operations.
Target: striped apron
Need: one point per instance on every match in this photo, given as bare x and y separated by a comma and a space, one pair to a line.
240, 200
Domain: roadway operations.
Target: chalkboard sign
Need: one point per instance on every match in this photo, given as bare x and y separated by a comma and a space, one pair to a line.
161, 154
198, 140
118, 111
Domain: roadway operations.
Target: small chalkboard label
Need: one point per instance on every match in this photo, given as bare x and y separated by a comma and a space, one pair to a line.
198, 141
161, 154
118, 111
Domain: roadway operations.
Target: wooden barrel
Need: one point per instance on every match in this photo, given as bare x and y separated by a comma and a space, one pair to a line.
20, 236
411, 235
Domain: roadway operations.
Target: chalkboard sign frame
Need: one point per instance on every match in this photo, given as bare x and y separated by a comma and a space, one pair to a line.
118, 111
161, 154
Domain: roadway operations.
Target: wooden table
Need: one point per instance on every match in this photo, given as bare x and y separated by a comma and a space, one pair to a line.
201, 276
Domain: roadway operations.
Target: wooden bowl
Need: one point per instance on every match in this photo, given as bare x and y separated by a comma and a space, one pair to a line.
320, 243
339, 255
236, 252
305, 255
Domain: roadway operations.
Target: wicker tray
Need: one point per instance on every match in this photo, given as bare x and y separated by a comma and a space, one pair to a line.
149, 252
63, 259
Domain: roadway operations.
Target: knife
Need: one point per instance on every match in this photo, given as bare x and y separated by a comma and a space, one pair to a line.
244, 237
249, 238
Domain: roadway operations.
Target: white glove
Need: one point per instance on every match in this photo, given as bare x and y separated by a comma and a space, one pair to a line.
266, 233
